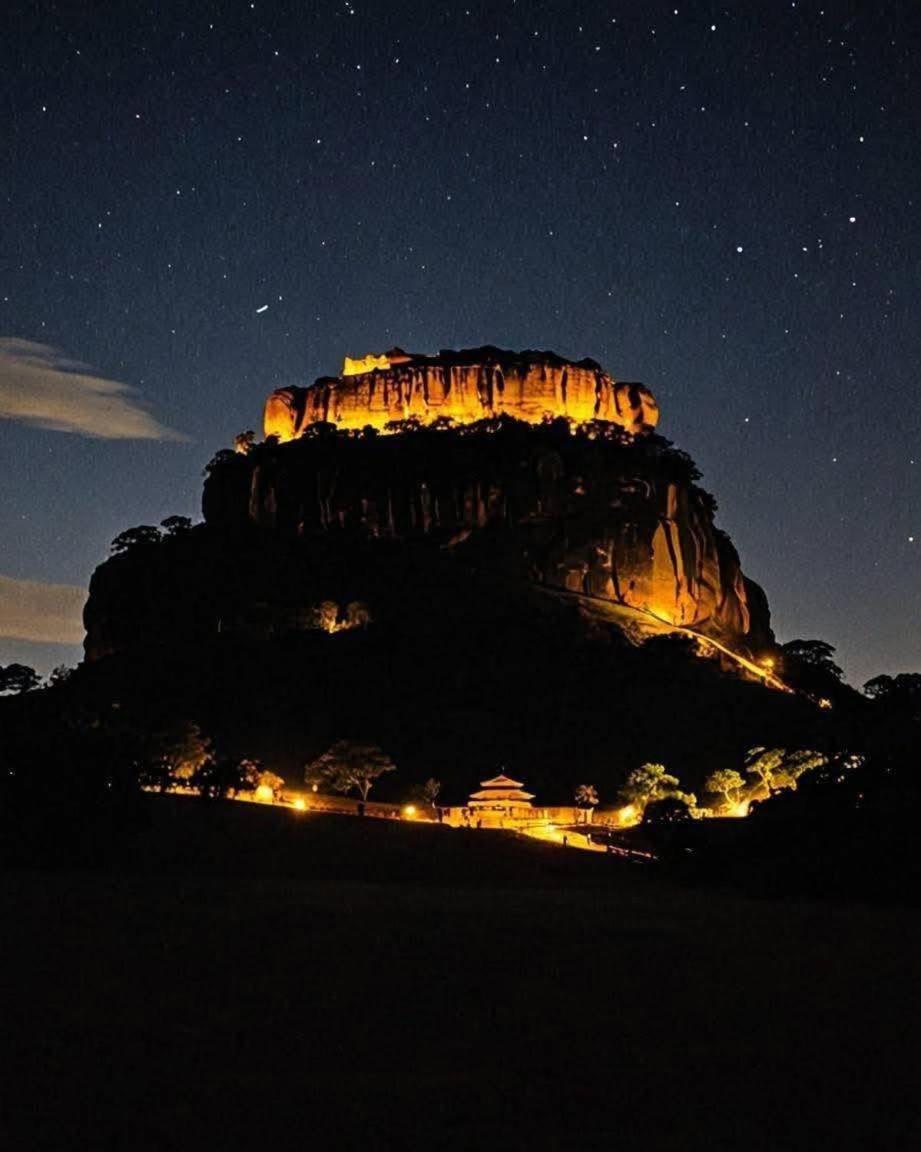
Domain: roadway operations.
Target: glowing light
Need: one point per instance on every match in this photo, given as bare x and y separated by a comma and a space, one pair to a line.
629, 814
738, 810
825, 702
300, 804
409, 811
264, 794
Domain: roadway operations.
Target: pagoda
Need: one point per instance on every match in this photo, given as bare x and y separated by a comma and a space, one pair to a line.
500, 794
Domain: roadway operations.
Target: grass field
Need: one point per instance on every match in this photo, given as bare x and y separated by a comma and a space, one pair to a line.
258, 979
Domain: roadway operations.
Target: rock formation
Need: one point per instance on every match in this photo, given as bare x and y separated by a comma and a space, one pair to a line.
464, 387
594, 516
548, 473
489, 589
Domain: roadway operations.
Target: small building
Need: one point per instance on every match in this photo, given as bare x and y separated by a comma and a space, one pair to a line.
501, 796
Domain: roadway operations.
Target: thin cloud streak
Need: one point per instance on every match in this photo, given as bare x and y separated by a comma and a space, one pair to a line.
42, 613
39, 386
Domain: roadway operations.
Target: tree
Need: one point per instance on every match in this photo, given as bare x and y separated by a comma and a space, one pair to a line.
762, 763
18, 678
794, 765
776, 768
176, 525
220, 776
668, 810
243, 441
879, 687
901, 694
325, 616
431, 790
250, 771
131, 538
221, 459
586, 796
728, 783
410, 424
347, 765
60, 675
270, 780
176, 756
357, 615
647, 783
813, 661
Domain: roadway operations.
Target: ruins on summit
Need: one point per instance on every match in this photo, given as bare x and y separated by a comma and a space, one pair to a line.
461, 387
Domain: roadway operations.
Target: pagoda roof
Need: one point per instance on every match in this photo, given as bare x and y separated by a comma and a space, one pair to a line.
497, 795
501, 781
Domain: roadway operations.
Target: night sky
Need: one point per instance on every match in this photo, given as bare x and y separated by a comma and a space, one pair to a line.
719, 200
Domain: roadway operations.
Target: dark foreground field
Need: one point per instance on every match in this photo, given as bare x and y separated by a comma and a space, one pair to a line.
455, 990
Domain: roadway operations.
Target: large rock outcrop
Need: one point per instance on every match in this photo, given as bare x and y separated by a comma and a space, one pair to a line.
515, 487
597, 515
487, 590
462, 387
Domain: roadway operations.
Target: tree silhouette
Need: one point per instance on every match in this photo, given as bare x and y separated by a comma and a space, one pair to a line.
349, 765
219, 776
60, 675
357, 615
431, 790
900, 693
586, 796
243, 441
879, 687
668, 810
18, 678
817, 653
132, 538
176, 525
176, 756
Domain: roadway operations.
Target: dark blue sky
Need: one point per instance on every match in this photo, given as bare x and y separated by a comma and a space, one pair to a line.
719, 200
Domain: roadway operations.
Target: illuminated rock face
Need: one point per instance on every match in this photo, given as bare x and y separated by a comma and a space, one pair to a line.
597, 506
464, 387
616, 520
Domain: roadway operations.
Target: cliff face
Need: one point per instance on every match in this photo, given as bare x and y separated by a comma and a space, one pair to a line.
599, 517
573, 492
463, 387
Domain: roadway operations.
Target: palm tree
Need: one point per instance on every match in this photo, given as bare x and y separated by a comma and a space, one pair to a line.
586, 797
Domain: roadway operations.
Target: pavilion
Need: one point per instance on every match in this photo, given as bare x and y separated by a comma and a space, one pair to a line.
500, 796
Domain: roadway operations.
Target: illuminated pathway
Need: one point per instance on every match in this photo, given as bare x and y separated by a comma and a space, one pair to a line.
613, 609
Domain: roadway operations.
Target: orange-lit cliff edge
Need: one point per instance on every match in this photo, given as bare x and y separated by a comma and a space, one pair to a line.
465, 387
683, 580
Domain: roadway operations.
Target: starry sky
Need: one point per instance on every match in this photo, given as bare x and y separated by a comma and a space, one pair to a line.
201, 202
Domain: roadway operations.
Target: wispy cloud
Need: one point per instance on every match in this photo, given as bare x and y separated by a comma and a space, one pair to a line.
41, 387
42, 613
